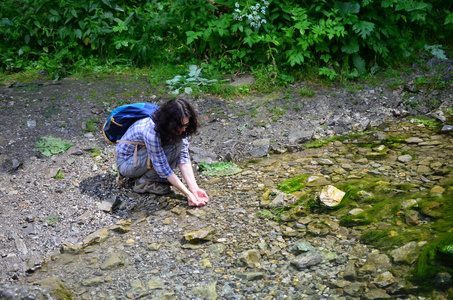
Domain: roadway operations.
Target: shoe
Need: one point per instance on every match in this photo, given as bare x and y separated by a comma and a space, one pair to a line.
158, 188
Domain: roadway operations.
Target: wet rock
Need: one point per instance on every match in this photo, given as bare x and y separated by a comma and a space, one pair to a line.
317, 181
251, 276
406, 254
350, 272
414, 140
381, 261
275, 198
433, 209
447, 128
437, 190
384, 279
355, 211
412, 217
373, 294
201, 155
355, 289
443, 279
302, 246
405, 158
306, 260
331, 196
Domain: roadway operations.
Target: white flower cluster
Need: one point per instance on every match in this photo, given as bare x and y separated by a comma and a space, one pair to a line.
254, 14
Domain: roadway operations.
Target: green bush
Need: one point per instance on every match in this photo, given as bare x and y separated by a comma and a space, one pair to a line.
358, 36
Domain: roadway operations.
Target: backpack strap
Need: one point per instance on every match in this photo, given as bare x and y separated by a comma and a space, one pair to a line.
135, 152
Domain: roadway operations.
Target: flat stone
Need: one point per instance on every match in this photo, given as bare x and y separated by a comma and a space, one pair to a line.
405, 158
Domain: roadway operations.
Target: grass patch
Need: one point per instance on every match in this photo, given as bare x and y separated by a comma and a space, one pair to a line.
306, 92
91, 125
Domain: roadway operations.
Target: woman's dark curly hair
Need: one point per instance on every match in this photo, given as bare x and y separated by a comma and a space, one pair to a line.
168, 120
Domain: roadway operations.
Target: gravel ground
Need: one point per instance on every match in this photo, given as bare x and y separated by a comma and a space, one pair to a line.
248, 257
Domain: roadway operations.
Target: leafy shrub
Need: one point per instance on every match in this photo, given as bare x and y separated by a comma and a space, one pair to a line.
64, 36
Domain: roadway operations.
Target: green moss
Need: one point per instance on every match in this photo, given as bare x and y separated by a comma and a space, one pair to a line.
316, 144
387, 239
425, 121
432, 261
294, 184
405, 186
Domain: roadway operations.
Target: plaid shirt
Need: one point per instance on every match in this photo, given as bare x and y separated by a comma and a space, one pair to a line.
142, 131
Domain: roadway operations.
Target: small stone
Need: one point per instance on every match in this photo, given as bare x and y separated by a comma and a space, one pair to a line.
70, 248
437, 190
105, 206
114, 261
404, 158
93, 281
96, 237
205, 234
248, 258
155, 283
306, 260
251, 276
384, 279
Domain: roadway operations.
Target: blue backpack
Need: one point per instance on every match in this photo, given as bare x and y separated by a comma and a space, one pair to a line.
123, 117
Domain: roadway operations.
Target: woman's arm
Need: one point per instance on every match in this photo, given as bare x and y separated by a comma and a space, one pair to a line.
201, 197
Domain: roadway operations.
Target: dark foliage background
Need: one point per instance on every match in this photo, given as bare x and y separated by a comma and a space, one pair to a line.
357, 36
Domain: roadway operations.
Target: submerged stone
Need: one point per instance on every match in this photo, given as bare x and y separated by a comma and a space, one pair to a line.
406, 254
317, 181
275, 198
404, 158
306, 260
384, 279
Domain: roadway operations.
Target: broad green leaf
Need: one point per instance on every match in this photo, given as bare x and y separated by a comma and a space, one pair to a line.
353, 47
49, 145
107, 2
219, 169
347, 8
448, 18
363, 28
54, 12
359, 63
387, 3
78, 33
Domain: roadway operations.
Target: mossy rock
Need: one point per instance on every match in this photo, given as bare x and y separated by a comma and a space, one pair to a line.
433, 209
